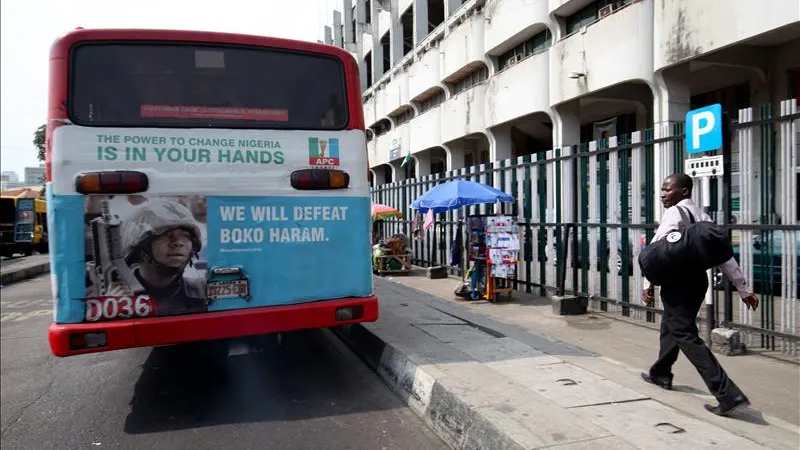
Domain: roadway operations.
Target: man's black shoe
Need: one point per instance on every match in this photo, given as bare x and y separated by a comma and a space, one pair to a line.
728, 406
662, 382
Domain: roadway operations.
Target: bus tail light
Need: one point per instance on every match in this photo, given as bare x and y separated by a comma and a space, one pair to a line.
116, 182
81, 341
349, 313
311, 179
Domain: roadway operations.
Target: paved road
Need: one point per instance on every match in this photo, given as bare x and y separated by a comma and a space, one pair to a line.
308, 393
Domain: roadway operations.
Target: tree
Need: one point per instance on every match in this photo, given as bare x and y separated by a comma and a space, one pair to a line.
39, 137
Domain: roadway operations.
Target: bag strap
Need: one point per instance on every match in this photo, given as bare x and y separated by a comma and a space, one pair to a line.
687, 219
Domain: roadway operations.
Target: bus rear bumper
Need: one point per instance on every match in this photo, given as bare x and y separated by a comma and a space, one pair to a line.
76, 339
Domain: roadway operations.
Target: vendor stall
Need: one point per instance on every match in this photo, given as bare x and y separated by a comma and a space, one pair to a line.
493, 251
392, 256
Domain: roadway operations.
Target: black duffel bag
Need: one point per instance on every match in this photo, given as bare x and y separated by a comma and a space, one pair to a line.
694, 247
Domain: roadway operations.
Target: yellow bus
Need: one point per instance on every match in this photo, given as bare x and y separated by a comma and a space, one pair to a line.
23, 226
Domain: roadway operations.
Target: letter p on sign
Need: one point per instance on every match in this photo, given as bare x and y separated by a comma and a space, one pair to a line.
704, 129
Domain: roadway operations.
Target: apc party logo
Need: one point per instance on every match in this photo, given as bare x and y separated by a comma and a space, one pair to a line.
323, 152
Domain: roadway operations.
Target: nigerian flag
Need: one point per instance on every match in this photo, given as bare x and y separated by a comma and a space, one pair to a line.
407, 159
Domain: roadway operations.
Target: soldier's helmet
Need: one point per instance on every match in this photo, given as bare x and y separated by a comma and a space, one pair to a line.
154, 218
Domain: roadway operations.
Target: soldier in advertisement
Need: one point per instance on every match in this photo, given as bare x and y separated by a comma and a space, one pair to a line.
159, 241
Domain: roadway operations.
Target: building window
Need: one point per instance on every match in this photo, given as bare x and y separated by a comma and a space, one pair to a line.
367, 11
535, 44
591, 13
382, 127
471, 80
404, 116
432, 102
368, 67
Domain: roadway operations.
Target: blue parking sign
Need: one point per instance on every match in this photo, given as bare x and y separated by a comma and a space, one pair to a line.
704, 129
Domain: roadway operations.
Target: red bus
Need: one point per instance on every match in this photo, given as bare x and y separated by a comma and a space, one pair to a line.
203, 186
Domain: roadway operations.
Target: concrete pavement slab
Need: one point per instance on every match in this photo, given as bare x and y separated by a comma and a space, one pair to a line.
503, 349
769, 431
567, 385
607, 443
477, 396
653, 425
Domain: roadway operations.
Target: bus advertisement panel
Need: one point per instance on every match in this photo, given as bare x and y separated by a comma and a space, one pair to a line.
205, 189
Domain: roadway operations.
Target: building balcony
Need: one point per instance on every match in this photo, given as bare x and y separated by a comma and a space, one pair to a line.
519, 90
391, 146
463, 45
608, 51
425, 73
393, 95
682, 31
508, 20
370, 112
464, 113
564, 8
425, 130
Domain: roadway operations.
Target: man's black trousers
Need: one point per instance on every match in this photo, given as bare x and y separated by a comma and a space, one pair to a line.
679, 333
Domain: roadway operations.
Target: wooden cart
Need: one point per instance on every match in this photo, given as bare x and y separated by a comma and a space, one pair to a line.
395, 261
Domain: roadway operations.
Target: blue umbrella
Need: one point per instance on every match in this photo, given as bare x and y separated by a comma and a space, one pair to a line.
458, 193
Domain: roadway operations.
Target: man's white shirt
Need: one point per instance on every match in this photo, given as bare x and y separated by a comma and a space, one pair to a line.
671, 220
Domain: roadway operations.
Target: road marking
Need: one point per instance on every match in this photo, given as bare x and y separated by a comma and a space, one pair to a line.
19, 317
26, 303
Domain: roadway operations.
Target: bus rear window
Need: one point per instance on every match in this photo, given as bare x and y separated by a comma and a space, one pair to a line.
182, 85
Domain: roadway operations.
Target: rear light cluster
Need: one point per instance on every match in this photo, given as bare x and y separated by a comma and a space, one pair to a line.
115, 182
81, 341
312, 179
346, 313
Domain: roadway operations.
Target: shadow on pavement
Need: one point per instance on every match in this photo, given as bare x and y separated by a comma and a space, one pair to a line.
304, 376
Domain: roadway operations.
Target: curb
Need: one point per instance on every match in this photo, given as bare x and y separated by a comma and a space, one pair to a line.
454, 420
24, 273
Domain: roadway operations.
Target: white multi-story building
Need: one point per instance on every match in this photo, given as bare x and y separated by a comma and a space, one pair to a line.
9, 180
457, 83
35, 175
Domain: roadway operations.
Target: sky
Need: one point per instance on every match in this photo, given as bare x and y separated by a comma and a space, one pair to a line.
29, 27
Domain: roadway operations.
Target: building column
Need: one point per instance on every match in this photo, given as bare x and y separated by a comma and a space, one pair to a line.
349, 32
500, 149
672, 101
420, 21
338, 37
422, 163
455, 157
396, 34
377, 57
378, 176
398, 172
450, 7
500, 146
567, 137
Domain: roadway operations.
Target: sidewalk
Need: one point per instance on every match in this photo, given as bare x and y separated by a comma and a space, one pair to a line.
772, 386
13, 270
485, 382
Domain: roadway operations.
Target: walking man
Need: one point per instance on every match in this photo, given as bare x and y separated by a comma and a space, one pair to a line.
682, 302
